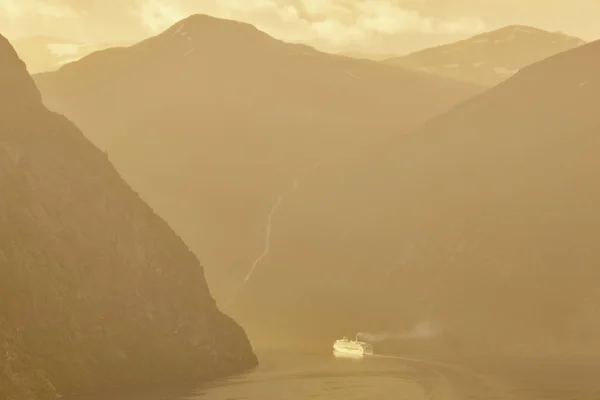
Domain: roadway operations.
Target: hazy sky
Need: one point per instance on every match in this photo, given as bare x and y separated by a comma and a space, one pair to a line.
376, 25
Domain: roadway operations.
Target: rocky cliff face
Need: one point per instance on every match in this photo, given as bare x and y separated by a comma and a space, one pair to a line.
95, 289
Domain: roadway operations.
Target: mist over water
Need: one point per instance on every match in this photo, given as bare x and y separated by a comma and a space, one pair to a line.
320, 376
426, 329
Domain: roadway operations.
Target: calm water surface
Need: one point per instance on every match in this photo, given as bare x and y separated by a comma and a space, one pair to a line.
324, 376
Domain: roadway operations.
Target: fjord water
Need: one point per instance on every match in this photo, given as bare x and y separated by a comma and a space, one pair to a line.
284, 376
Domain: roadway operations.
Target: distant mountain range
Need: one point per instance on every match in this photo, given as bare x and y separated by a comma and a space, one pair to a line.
368, 56
213, 120
491, 57
483, 221
96, 291
46, 53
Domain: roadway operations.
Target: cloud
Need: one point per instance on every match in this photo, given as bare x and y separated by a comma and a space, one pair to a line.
157, 16
423, 330
36, 8
386, 17
325, 22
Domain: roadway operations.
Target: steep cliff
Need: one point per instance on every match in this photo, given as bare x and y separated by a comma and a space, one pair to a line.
95, 289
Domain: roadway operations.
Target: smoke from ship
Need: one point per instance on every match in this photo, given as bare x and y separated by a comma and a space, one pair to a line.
423, 330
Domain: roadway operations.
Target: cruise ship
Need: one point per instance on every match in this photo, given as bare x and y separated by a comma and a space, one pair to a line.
355, 347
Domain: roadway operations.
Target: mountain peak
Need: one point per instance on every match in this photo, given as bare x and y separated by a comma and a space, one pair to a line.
491, 57
209, 20
204, 26
17, 89
511, 32
216, 37
519, 28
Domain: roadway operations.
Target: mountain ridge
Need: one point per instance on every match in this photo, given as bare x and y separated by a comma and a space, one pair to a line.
490, 57
46, 53
16, 77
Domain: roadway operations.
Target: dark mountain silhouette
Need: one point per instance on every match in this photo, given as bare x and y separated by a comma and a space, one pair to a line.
46, 53
213, 119
96, 290
491, 57
483, 221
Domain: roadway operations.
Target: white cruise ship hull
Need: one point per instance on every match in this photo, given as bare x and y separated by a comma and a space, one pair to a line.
352, 348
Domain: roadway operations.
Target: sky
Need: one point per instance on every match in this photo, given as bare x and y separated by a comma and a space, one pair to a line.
378, 26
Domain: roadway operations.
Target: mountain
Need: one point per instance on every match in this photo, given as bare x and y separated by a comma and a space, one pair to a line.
489, 58
45, 53
481, 224
212, 121
96, 290
367, 56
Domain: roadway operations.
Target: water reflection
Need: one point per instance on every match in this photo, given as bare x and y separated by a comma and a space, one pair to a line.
350, 356
343, 376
